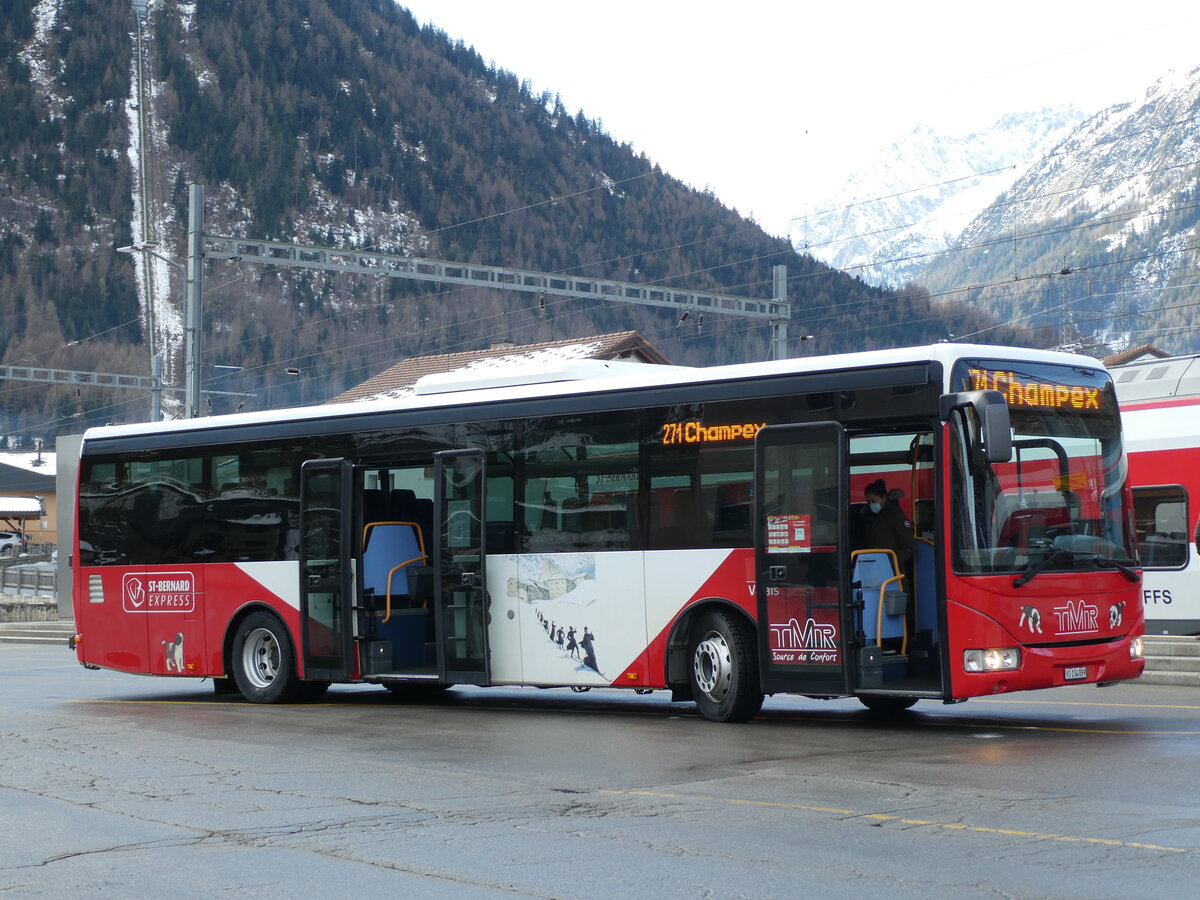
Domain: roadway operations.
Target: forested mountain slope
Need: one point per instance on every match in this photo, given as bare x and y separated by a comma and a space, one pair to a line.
341, 123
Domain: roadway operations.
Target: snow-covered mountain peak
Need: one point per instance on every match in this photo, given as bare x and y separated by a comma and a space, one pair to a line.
920, 191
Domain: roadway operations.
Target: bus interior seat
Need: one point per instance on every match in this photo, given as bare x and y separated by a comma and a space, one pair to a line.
387, 548
400, 498
405, 506
424, 518
884, 600
373, 505
393, 560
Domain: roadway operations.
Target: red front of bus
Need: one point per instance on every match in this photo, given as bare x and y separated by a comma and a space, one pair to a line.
1042, 587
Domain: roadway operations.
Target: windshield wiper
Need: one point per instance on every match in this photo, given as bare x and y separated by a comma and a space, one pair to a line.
1033, 569
1104, 563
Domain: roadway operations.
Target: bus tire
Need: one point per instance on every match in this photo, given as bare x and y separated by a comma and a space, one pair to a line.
264, 663
887, 706
724, 672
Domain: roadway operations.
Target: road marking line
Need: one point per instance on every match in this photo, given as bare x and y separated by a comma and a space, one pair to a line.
885, 817
1087, 703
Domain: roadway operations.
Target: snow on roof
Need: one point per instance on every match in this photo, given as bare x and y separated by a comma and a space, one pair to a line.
500, 367
29, 461
21, 507
502, 361
531, 368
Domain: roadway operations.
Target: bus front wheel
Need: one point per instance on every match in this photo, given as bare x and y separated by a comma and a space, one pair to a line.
264, 663
724, 671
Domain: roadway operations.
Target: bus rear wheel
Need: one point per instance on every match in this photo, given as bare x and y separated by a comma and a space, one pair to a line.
724, 670
264, 663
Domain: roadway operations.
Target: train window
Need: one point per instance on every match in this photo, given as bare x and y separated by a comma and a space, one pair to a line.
1160, 515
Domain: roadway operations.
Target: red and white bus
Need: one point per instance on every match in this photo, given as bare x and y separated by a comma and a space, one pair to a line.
689, 530
1160, 406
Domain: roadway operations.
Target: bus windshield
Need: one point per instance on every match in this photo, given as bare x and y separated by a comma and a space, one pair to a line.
1061, 502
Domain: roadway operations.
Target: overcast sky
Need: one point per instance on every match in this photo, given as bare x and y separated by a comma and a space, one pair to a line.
768, 103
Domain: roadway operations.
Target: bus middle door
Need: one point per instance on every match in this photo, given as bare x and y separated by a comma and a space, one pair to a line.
460, 573
801, 558
326, 568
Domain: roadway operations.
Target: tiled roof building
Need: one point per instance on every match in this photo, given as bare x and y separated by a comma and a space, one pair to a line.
1134, 354
398, 381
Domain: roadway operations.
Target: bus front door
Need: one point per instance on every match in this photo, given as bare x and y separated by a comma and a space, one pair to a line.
326, 570
801, 499
460, 577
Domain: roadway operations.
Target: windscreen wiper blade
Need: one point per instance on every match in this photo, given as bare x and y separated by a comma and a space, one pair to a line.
1105, 563
1033, 569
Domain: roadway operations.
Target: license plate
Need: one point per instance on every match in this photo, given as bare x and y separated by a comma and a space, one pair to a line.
1075, 673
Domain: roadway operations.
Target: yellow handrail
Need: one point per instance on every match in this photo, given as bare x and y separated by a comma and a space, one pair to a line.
416, 527
882, 590
388, 606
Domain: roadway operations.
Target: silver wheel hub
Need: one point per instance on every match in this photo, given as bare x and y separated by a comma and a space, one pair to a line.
260, 657
713, 666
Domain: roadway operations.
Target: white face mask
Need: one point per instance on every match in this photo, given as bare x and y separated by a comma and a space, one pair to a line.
874, 507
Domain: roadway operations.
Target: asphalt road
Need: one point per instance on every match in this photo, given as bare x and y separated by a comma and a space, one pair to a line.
151, 787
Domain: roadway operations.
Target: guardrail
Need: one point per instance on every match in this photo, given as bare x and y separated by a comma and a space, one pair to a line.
33, 576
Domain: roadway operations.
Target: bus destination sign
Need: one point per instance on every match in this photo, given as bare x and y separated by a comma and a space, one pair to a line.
1042, 394
698, 433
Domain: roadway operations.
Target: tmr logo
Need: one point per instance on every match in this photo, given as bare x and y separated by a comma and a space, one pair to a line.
811, 637
160, 592
1077, 617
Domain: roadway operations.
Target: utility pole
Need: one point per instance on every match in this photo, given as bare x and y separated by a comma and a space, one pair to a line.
156, 388
142, 99
193, 345
779, 335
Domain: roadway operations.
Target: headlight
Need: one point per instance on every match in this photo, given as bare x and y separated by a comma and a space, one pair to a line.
1137, 648
994, 659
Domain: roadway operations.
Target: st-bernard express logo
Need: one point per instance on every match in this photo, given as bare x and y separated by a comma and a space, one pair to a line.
160, 592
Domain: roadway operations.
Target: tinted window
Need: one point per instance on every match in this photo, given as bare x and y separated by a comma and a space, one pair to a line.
169, 509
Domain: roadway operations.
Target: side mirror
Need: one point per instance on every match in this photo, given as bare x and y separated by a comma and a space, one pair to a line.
994, 423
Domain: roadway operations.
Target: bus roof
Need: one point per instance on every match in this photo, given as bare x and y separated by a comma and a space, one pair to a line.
618, 378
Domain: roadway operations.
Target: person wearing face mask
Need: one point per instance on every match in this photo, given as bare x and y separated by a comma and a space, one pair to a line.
884, 525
